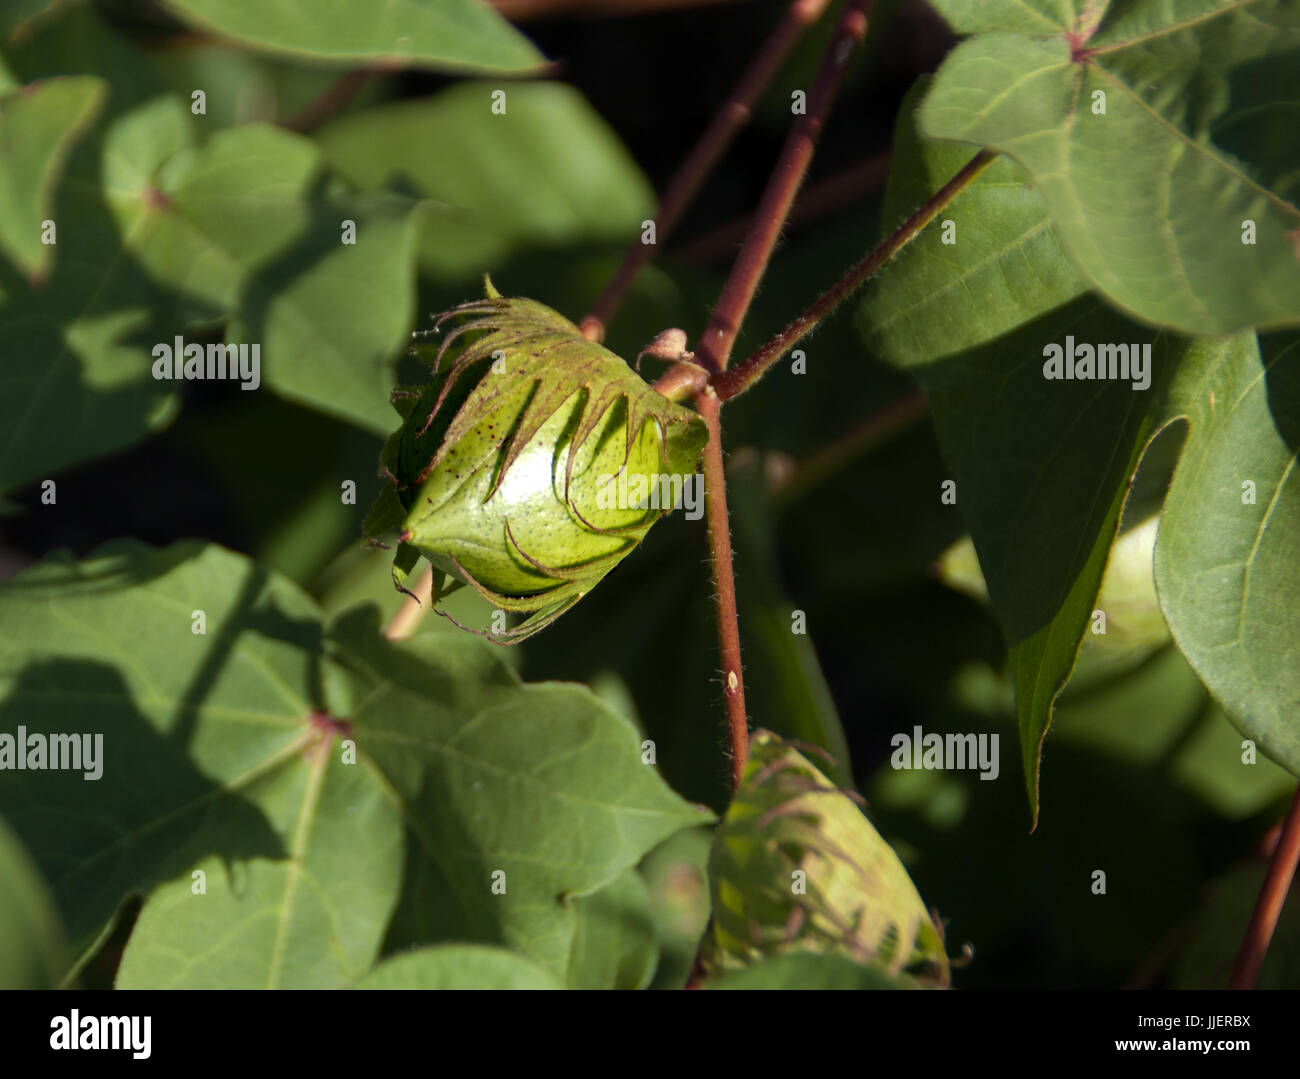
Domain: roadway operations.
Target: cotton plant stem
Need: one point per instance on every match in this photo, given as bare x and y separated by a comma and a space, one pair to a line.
699, 164
1268, 907
731, 383
724, 584
715, 346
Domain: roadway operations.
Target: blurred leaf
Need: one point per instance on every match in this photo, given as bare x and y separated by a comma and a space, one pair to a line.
17, 16
1205, 956
38, 126
787, 676
458, 966
449, 35
615, 945
31, 940
227, 758
1145, 198
676, 873
546, 173
1004, 267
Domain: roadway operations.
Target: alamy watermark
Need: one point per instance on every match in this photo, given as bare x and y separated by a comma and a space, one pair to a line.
36, 752
946, 752
1124, 362
655, 491
181, 362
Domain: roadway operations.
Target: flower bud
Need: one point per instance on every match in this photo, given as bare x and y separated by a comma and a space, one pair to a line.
530, 465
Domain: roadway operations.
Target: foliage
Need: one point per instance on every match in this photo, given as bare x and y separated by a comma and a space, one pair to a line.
291, 797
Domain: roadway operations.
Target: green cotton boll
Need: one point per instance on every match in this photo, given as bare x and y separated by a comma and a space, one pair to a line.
532, 463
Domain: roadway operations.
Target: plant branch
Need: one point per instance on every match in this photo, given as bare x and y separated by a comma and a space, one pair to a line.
685, 184
735, 381
715, 346
1263, 920
724, 584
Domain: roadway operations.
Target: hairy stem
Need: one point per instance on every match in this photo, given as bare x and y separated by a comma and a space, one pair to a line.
724, 584
1263, 920
685, 184
715, 347
735, 381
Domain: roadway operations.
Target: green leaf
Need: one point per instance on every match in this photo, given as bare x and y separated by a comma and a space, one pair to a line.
1003, 267
448, 35
1228, 550
31, 939
1150, 197
225, 754
796, 866
807, 970
615, 945
458, 966
243, 226
38, 126
1042, 465
74, 362
547, 173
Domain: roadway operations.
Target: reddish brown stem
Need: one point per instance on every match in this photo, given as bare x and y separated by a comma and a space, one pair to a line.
739, 378
714, 348
724, 584
734, 115
1263, 920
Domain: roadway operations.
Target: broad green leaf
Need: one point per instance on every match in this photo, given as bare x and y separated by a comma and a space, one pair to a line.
31, 939
796, 866
458, 966
1135, 121
449, 35
516, 808
807, 970
243, 226
38, 126
1228, 549
990, 263
546, 173
268, 852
